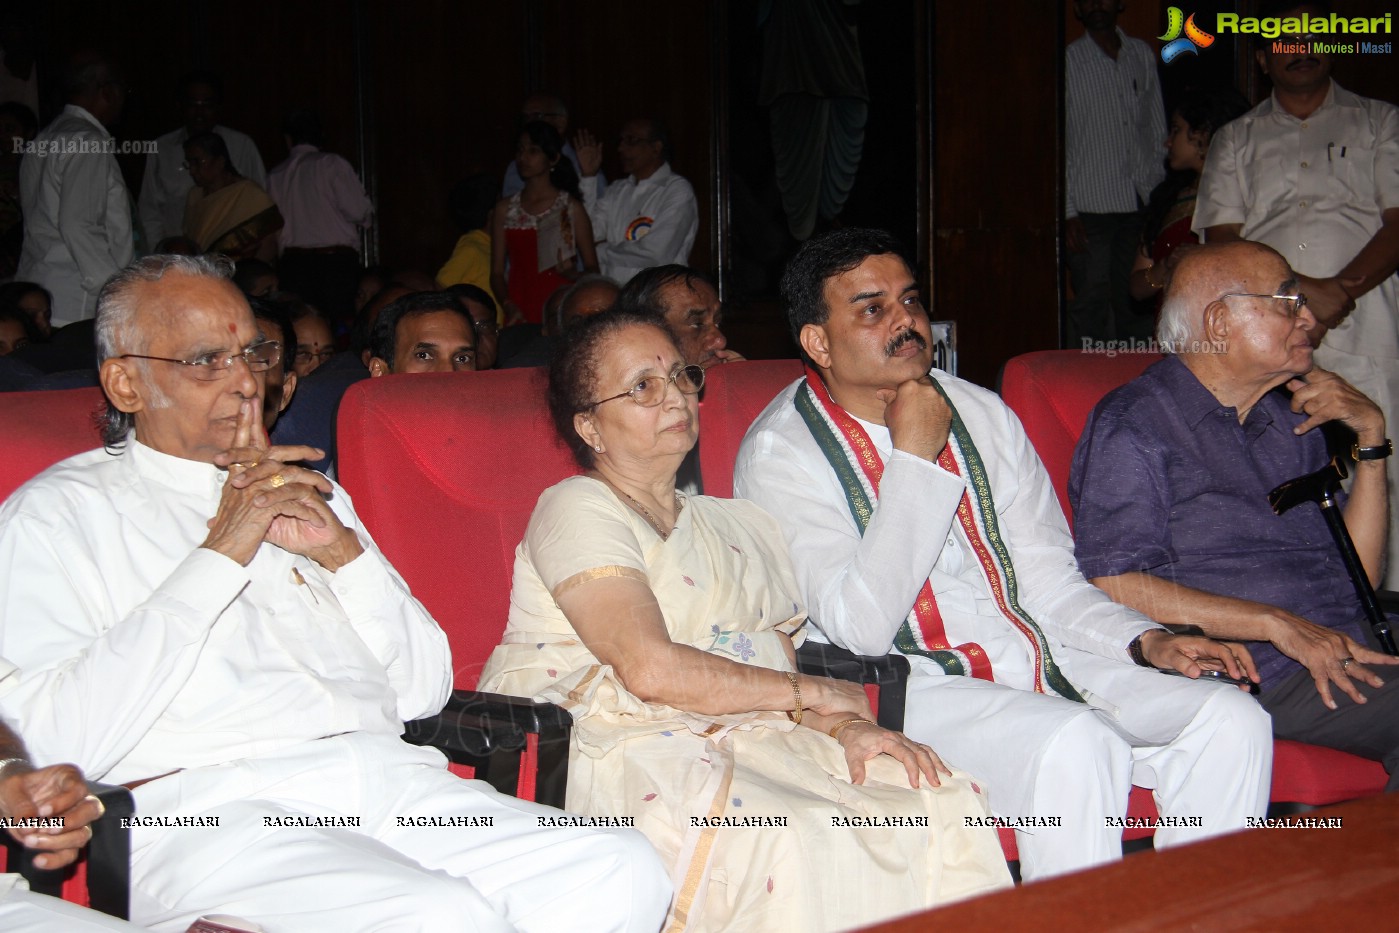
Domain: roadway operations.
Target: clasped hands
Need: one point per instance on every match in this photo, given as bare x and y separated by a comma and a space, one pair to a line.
57, 791
267, 498
832, 702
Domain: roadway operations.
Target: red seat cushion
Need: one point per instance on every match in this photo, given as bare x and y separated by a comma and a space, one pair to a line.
734, 395
42, 428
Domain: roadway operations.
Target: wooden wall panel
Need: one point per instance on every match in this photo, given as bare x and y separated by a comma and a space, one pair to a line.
995, 171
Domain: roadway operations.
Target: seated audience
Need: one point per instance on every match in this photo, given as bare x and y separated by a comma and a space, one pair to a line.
1171, 209
55, 791
470, 204
255, 278
16, 330
921, 522
372, 281
539, 234
166, 184
34, 300
649, 218
315, 344
192, 614
551, 110
591, 294
225, 212
1169, 489
484, 316
428, 332
279, 384
686, 301
665, 625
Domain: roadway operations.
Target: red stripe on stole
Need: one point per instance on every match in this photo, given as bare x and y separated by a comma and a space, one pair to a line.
925, 607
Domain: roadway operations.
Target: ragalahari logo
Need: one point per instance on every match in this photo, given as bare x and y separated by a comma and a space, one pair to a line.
1177, 44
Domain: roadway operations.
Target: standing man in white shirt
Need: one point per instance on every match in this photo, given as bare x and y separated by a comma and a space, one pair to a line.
190, 614
77, 217
1313, 172
166, 183
649, 218
324, 205
921, 522
1113, 131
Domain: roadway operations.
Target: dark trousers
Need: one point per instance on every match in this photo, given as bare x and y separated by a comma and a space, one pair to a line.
1102, 308
1370, 730
322, 278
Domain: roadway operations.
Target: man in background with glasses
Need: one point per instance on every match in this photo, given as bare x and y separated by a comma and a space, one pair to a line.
1170, 493
1313, 172
193, 615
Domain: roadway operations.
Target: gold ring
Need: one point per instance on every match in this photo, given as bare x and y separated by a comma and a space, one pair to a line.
251, 466
277, 480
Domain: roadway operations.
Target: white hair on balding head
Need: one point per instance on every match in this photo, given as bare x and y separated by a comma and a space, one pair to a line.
1174, 329
115, 330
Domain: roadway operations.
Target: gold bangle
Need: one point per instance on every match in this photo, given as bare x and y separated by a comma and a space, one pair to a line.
795, 716
835, 730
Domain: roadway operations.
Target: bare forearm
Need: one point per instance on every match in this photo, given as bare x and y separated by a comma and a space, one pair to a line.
1377, 259
699, 682
1367, 513
1174, 604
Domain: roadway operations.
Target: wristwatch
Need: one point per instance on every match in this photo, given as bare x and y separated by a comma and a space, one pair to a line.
1134, 651
1378, 452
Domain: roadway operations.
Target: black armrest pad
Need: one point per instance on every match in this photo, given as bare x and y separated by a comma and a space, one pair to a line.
888, 671
479, 724
108, 856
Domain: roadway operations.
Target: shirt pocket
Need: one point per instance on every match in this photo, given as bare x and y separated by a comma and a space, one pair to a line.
1353, 175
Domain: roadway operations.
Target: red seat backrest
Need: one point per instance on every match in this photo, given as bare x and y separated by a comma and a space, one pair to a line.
1053, 393
734, 395
444, 471
41, 428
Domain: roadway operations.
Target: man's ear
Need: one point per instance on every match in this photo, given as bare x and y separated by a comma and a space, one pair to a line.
119, 382
1261, 57
378, 367
288, 390
814, 341
1217, 323
583, 424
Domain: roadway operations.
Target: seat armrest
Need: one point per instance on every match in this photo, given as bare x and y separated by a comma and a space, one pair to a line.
489, 731
108, 856
889, 672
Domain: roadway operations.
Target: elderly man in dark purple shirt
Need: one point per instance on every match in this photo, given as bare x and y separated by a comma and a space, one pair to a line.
1169, 489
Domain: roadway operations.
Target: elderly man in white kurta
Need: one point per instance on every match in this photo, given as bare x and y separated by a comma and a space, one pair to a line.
195, 617
921, 521
1313, 172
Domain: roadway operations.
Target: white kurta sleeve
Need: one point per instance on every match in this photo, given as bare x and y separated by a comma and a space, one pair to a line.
87, 687
858, 589
598, 212
1221, 196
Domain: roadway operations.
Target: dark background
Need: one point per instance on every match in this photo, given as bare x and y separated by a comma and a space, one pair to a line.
962, 155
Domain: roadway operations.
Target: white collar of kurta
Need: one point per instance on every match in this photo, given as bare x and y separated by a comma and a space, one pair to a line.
1336, 96
189, 476
81, 113
656, 177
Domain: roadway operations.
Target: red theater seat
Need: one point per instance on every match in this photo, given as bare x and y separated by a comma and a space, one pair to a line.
1054, 392
444, 471
42, 428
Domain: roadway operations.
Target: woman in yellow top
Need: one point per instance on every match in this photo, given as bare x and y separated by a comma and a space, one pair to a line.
666, 626
225, 212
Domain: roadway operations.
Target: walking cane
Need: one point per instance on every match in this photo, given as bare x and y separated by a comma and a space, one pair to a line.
1321, 487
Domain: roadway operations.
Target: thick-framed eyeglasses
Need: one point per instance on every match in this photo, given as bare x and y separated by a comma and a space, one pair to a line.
1293, 303
650, 392
260, 357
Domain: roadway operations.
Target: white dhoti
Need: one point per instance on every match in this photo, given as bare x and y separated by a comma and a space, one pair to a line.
23, 911
1205, 749
386, 873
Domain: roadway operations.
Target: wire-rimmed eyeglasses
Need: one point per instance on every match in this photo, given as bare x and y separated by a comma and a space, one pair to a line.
260, 357
650, 392
1293, 303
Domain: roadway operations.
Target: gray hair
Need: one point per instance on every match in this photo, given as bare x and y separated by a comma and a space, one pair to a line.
115, 330
1174, 328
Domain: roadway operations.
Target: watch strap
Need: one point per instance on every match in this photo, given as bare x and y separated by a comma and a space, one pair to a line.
1378, 452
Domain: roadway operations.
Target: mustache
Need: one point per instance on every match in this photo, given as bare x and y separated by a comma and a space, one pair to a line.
908, 336
1302, 62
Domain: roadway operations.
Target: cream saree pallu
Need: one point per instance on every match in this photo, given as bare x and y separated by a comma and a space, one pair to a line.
755, 816
233, 220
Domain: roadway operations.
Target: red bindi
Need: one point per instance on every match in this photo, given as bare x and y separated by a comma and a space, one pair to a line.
233, 328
